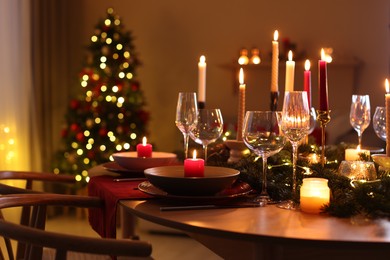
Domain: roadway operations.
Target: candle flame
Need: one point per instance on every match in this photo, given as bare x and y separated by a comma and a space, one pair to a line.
194, 154
323, 56
202, 59
307, 65
144, 141
241, 76
276, 35
290, 55
387, 86
358, 147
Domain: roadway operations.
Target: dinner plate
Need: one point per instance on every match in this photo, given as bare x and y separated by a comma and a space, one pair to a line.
172, 180
238, 189
130, 160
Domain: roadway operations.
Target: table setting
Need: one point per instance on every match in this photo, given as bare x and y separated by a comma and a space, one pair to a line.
272, 160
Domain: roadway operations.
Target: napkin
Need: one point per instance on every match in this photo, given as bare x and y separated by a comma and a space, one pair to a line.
103, 220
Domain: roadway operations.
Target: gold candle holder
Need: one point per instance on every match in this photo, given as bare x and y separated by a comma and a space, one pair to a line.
323, 117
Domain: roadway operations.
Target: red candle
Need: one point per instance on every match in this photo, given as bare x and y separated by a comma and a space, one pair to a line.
323, 83
307, 81
194, 167
144, 149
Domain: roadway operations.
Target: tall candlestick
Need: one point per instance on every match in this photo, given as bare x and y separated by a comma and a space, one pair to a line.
290, 67
241, 105
323, 83
202, 81
387, 117
307, 81
275, 63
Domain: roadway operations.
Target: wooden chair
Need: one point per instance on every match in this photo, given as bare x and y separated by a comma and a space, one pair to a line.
36, 238
30, 177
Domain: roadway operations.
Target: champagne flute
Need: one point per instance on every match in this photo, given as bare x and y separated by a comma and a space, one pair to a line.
295, 125
379, 122
261, 135
208, 128
360, 114
186, 115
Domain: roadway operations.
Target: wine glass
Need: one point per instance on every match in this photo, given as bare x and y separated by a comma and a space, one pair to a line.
360, 114
379, 122
186, 115
295, 125
262, 136
208, 128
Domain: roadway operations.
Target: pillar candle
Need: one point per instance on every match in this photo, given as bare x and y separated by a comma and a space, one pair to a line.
290, 67
144, 150
354, 154
307, 81
202, 79
323, 83
315, 193
387, 102
194, 167
241, 105
275, 63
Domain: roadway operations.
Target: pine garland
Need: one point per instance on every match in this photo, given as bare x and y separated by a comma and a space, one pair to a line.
370, 199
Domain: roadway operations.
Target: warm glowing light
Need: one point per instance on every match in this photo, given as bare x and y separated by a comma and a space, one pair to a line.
276, 35
103, 88
108, 98
387, 86
85, 161
84, 84
112, 138
85, 77
79, 151
125, 65
126, 54
202, 60
107, 22
243, 59
323, 57
115, 89
121, 100
115, 56
121, 74
193, 154
290, 55
129, 75
241, 76
78, 177
103, 66
117, 22
126, 146
103, 59
119, 46
108, 40
307, 65
144, 141
133, 136
94, 38
118, 147
102, 148
103, 35
97, 120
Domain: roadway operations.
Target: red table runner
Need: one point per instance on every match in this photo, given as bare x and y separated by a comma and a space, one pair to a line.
103, 220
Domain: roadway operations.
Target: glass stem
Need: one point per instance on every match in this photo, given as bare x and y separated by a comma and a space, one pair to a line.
360, 138
264, 177
205, 153
294, 176
186, 139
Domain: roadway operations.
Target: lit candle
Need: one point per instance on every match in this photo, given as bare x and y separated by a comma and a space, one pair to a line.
275, 63
387, 102
354, 154
323, 83
144, 149
202, 79
307, 81
194, 167
315, 193
290, 67
241, 105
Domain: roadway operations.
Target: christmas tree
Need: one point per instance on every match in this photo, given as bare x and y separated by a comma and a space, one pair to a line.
108, 116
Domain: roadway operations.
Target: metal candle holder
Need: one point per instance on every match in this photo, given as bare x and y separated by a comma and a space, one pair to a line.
274, 100
323, 117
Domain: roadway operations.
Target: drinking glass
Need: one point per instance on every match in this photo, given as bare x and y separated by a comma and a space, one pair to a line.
379, 122
295, 125
360, 114
186, 115
208, 128
262, 136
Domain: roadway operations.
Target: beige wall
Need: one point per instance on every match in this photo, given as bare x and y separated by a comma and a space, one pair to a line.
172, 34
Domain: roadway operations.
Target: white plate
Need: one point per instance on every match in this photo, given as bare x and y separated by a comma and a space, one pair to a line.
172, 180
130, 160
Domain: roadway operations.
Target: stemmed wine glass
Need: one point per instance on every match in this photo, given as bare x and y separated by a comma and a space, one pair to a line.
360, 114
379, 122
261, 135
295, 125
208, 128
186, 115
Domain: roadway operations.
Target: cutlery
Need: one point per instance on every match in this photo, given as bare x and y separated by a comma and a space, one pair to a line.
129, 179
209, 206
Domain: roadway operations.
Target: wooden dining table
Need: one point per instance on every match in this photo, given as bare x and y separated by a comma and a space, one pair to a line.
254, 232
271, 232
